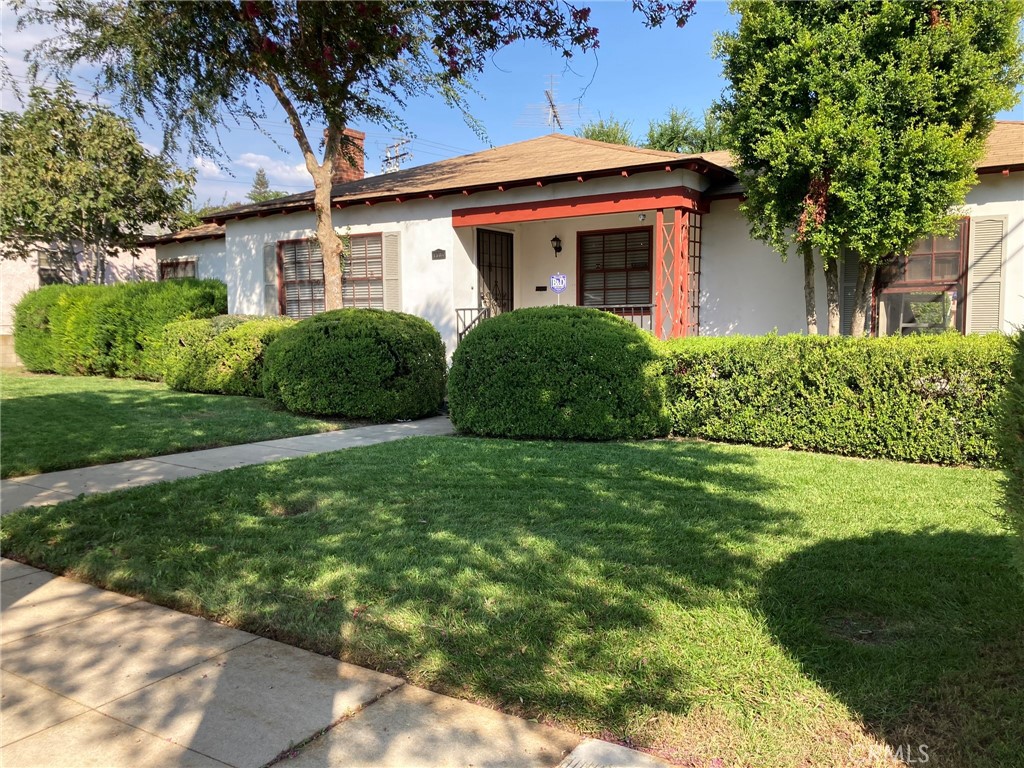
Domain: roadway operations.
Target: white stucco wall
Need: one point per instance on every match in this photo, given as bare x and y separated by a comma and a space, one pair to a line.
746, 287
209, 256
998, 195
434, 289
17, 277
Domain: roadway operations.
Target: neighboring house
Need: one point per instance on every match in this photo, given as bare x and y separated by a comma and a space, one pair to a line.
56, 264
654, 236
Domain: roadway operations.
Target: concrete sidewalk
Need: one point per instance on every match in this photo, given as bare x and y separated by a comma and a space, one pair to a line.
54, 487
94, 678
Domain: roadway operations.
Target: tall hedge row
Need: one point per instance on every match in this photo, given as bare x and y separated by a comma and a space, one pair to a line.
220, 355
558, 372
1011, 442
929, 399
108, 330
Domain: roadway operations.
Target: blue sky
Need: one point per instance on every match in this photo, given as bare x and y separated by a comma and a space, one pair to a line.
637, 74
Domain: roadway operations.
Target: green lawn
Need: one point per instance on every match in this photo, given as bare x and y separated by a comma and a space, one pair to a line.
60, 422
702, 601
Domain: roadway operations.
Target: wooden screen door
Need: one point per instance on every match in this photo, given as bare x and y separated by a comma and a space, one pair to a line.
494, 263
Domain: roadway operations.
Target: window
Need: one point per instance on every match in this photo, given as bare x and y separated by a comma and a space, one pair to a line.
177, 268
301, 272
362, 284
53, 263
301, 269
615, 268
922, 291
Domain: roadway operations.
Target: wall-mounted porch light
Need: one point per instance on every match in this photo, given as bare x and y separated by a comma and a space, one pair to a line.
556, 244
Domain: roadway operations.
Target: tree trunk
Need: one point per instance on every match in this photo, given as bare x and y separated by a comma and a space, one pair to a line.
832, 296
330, 243
862, 296
812, 312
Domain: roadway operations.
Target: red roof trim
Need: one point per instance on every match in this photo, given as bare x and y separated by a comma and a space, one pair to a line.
585, 205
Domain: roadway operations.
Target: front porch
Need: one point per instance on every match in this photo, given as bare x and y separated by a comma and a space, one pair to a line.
634, 254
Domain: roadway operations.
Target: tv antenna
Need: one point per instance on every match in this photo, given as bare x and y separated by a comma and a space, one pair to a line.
395, 155
554, 115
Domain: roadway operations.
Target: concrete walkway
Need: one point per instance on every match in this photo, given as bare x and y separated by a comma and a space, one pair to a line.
54, 487
94, 678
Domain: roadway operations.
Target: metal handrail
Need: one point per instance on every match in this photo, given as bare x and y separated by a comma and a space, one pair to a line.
469, 318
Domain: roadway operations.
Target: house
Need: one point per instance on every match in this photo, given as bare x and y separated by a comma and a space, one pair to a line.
57, 263
656, 237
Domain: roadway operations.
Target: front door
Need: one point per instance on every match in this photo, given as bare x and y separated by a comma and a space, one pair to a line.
494, 263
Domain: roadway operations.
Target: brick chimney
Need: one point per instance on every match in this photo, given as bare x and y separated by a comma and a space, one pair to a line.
344, 170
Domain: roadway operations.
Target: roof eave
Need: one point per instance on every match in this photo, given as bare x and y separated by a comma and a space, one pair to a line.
695, 164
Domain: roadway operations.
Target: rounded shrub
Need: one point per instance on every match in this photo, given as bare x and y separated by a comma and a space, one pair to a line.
220, 355
559, 372
358, 364
34, 342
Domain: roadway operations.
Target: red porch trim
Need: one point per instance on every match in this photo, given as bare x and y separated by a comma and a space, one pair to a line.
678, 272
584, 205
659, 270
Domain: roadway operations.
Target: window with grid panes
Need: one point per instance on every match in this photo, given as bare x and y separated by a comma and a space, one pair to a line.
362, 284
302, 278
175, 270
615, 268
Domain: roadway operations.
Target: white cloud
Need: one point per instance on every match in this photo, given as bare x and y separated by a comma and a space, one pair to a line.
279, 172
208, 169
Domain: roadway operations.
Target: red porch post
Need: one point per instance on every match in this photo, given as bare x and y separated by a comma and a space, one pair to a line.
661, 281
678, 272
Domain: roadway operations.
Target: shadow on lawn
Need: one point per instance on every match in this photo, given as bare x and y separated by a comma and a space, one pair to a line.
921, 635
536, 576
527, 577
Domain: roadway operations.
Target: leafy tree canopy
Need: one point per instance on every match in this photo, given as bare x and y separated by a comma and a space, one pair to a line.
77, 172
857, 124
327, 64
260, 191
611, 130
680, 132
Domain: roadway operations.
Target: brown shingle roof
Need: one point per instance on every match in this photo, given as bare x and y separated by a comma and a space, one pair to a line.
547, 158
555, 157
207, 231
1004, 147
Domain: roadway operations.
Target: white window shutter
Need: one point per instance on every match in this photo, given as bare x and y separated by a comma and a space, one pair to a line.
985, 275
392, 272
271, 304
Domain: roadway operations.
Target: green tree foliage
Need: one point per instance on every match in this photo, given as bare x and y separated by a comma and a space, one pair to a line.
857, 124
679, 131
326, 64
76, 173
611, 130
260, 191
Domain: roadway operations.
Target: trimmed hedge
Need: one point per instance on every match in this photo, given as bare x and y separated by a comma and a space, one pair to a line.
1011, 443
219, 355
558, 372
919, 398
358, 364
109, 330
33, 341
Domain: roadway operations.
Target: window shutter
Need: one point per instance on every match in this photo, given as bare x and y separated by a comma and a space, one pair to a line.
985, 276
392, 272
271, 303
